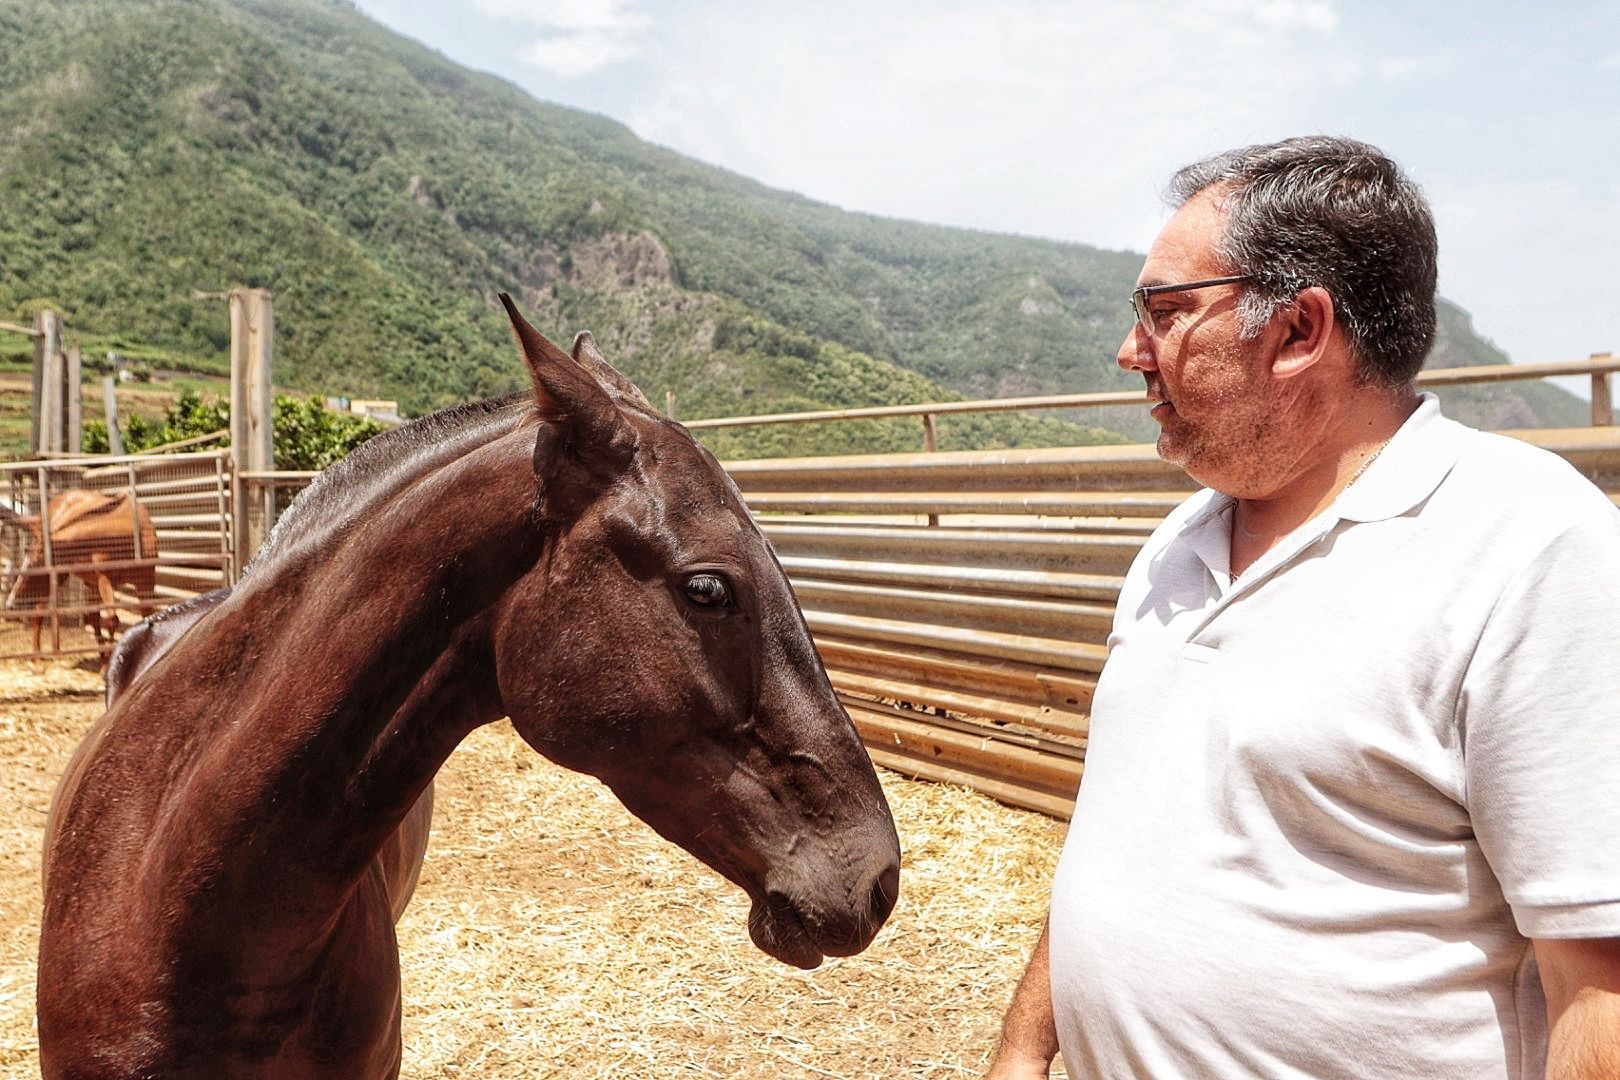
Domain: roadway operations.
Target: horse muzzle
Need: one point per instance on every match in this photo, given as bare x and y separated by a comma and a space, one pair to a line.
792, 926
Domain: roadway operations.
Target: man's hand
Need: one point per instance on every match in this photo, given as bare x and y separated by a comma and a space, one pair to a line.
1581, 978
1029, 1032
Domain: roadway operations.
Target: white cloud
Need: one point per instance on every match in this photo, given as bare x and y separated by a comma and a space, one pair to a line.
1410, 68
1053, 119
577, 37
569, 16
569, 56
1301, 14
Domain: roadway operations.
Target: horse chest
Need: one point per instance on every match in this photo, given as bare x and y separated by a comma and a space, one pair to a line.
199, 1011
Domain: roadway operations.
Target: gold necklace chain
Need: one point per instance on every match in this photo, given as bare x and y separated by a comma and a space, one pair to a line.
1365, 464
1363, 467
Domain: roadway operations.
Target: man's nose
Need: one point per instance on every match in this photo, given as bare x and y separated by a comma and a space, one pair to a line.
1136, 351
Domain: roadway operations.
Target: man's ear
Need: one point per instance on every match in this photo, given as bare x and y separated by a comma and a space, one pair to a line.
1306, 325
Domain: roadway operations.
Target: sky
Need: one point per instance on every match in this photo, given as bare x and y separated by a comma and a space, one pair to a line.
1063, 120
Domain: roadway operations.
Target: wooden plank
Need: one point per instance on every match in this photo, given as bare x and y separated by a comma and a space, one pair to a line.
1043, 550
1031, 684
1077, 504
1059, 585
1024, 797
1061, 619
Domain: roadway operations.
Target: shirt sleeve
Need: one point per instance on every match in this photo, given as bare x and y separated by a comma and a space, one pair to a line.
1539, 709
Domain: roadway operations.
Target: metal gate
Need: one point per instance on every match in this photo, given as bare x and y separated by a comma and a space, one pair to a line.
89, 546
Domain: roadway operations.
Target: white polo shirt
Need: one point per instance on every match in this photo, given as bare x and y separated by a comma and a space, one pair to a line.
1326, 806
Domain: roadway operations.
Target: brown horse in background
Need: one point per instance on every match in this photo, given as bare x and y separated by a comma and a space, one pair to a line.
101, 538
232, 843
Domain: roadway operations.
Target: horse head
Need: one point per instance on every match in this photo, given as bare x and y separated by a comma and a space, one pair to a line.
675, 666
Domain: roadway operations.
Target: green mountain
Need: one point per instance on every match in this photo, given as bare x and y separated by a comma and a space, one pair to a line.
154, 149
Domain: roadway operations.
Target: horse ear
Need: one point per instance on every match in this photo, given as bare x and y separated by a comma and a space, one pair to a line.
567, 395
556, 382
589, 357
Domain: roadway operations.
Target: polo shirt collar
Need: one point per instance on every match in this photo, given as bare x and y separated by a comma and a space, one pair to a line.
1408, 469
1406, 472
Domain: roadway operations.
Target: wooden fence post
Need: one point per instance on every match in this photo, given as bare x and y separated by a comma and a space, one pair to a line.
109, 404
73, 391
1602, 396
44, 425
930, 444
252, 436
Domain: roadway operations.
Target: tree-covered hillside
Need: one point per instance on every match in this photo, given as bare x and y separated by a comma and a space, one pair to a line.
151, 149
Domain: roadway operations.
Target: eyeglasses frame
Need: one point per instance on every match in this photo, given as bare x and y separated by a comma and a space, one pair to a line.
1139, 297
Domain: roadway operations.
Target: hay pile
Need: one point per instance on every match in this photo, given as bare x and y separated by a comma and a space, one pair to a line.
555, 935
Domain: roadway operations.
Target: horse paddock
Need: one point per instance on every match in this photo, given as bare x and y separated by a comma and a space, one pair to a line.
553, 934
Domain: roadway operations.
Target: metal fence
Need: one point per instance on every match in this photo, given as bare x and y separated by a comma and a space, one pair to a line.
961, 600
89, 546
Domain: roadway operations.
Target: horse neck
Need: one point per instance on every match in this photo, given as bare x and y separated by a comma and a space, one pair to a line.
354, 488
354, 668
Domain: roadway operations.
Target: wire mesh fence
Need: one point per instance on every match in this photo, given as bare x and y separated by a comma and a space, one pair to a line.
90, 546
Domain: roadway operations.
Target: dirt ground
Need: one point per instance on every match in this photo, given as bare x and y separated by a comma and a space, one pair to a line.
555, 935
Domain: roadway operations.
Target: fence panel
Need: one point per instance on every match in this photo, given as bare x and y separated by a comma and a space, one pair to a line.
90, 546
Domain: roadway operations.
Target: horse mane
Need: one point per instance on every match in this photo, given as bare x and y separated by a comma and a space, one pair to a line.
346, 490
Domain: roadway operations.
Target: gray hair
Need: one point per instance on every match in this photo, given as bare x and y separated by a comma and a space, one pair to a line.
1334, 213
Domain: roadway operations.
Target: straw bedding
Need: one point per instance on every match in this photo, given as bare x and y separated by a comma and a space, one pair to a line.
554, 935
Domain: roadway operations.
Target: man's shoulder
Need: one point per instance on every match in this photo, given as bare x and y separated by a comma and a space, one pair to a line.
1514, 474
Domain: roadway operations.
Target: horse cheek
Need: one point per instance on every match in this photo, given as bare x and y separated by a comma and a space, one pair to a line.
548, 670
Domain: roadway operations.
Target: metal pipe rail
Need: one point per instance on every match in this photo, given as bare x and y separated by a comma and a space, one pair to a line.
1598, 367
1072, 504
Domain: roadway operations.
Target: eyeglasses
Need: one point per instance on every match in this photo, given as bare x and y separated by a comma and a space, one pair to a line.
1139, 298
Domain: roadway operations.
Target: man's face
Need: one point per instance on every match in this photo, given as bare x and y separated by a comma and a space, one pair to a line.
1214, 401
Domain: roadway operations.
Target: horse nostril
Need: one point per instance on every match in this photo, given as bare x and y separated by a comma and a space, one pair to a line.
884, 893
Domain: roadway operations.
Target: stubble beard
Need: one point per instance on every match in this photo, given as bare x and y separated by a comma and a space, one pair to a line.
1231, 443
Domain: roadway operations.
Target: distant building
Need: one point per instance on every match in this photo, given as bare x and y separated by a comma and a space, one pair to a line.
380, 410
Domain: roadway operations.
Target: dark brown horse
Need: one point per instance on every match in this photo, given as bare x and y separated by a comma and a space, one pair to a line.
233, 842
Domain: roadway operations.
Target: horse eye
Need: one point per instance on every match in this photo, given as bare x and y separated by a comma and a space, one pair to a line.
708, 590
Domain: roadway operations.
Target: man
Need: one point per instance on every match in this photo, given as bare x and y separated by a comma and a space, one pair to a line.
1352, 795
